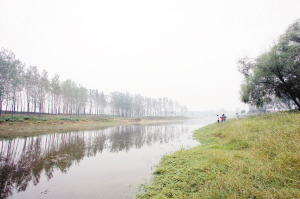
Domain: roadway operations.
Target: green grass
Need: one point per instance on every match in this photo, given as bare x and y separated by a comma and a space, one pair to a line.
17, 119
32, 119
20, 125
256, 157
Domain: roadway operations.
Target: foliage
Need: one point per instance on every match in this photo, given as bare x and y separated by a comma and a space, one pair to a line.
22, 87
26, 118
255, 157
11, 77
274, 73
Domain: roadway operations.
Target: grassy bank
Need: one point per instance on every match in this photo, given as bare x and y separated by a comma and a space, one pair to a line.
20, 125
256, 157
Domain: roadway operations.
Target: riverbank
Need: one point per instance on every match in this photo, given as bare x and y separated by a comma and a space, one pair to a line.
18, 125
255, 157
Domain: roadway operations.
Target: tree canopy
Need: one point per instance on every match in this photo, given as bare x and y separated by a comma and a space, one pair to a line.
275, 73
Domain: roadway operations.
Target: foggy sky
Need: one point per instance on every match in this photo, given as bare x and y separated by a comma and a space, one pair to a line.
184, 50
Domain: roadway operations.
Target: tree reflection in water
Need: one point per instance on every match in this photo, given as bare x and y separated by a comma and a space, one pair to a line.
24, 159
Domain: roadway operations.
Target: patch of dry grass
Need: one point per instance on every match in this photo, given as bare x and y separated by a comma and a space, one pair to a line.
20, 125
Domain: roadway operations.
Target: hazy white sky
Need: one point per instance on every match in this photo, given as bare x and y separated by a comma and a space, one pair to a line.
184, 50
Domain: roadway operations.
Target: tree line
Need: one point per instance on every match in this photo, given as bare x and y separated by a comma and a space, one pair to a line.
27, 90
274, 74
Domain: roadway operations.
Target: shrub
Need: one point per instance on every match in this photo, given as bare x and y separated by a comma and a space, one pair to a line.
26, 118
11, 118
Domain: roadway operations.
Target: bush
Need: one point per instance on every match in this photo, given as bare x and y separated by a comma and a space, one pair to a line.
11, 118
26, 118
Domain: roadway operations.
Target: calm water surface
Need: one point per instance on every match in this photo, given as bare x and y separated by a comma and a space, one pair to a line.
107, 163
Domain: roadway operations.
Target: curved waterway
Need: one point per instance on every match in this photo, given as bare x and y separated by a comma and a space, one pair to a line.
106, 163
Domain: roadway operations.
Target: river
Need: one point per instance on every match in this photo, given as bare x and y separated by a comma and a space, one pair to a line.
106, 163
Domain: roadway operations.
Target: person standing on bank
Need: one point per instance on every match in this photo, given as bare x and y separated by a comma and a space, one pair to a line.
223, 118
218, 119
237, 116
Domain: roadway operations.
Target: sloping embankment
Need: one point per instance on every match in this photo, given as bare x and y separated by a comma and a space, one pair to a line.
256, 157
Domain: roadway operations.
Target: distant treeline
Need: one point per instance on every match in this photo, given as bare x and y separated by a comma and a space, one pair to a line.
25, 89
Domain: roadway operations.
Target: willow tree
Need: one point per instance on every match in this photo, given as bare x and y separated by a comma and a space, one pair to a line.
275, 73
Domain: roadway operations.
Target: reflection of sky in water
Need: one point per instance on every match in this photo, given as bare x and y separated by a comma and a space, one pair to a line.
107, 163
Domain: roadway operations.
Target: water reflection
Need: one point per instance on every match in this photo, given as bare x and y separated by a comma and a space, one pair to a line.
23, 160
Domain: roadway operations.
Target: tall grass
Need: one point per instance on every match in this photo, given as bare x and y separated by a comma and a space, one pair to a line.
256, 157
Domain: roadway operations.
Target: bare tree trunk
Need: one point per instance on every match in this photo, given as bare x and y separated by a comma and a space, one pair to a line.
6, 106
40, 107
28, 107
34, 107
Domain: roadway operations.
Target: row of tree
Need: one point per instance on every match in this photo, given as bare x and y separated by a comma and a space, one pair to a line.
25, 89
275, 73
